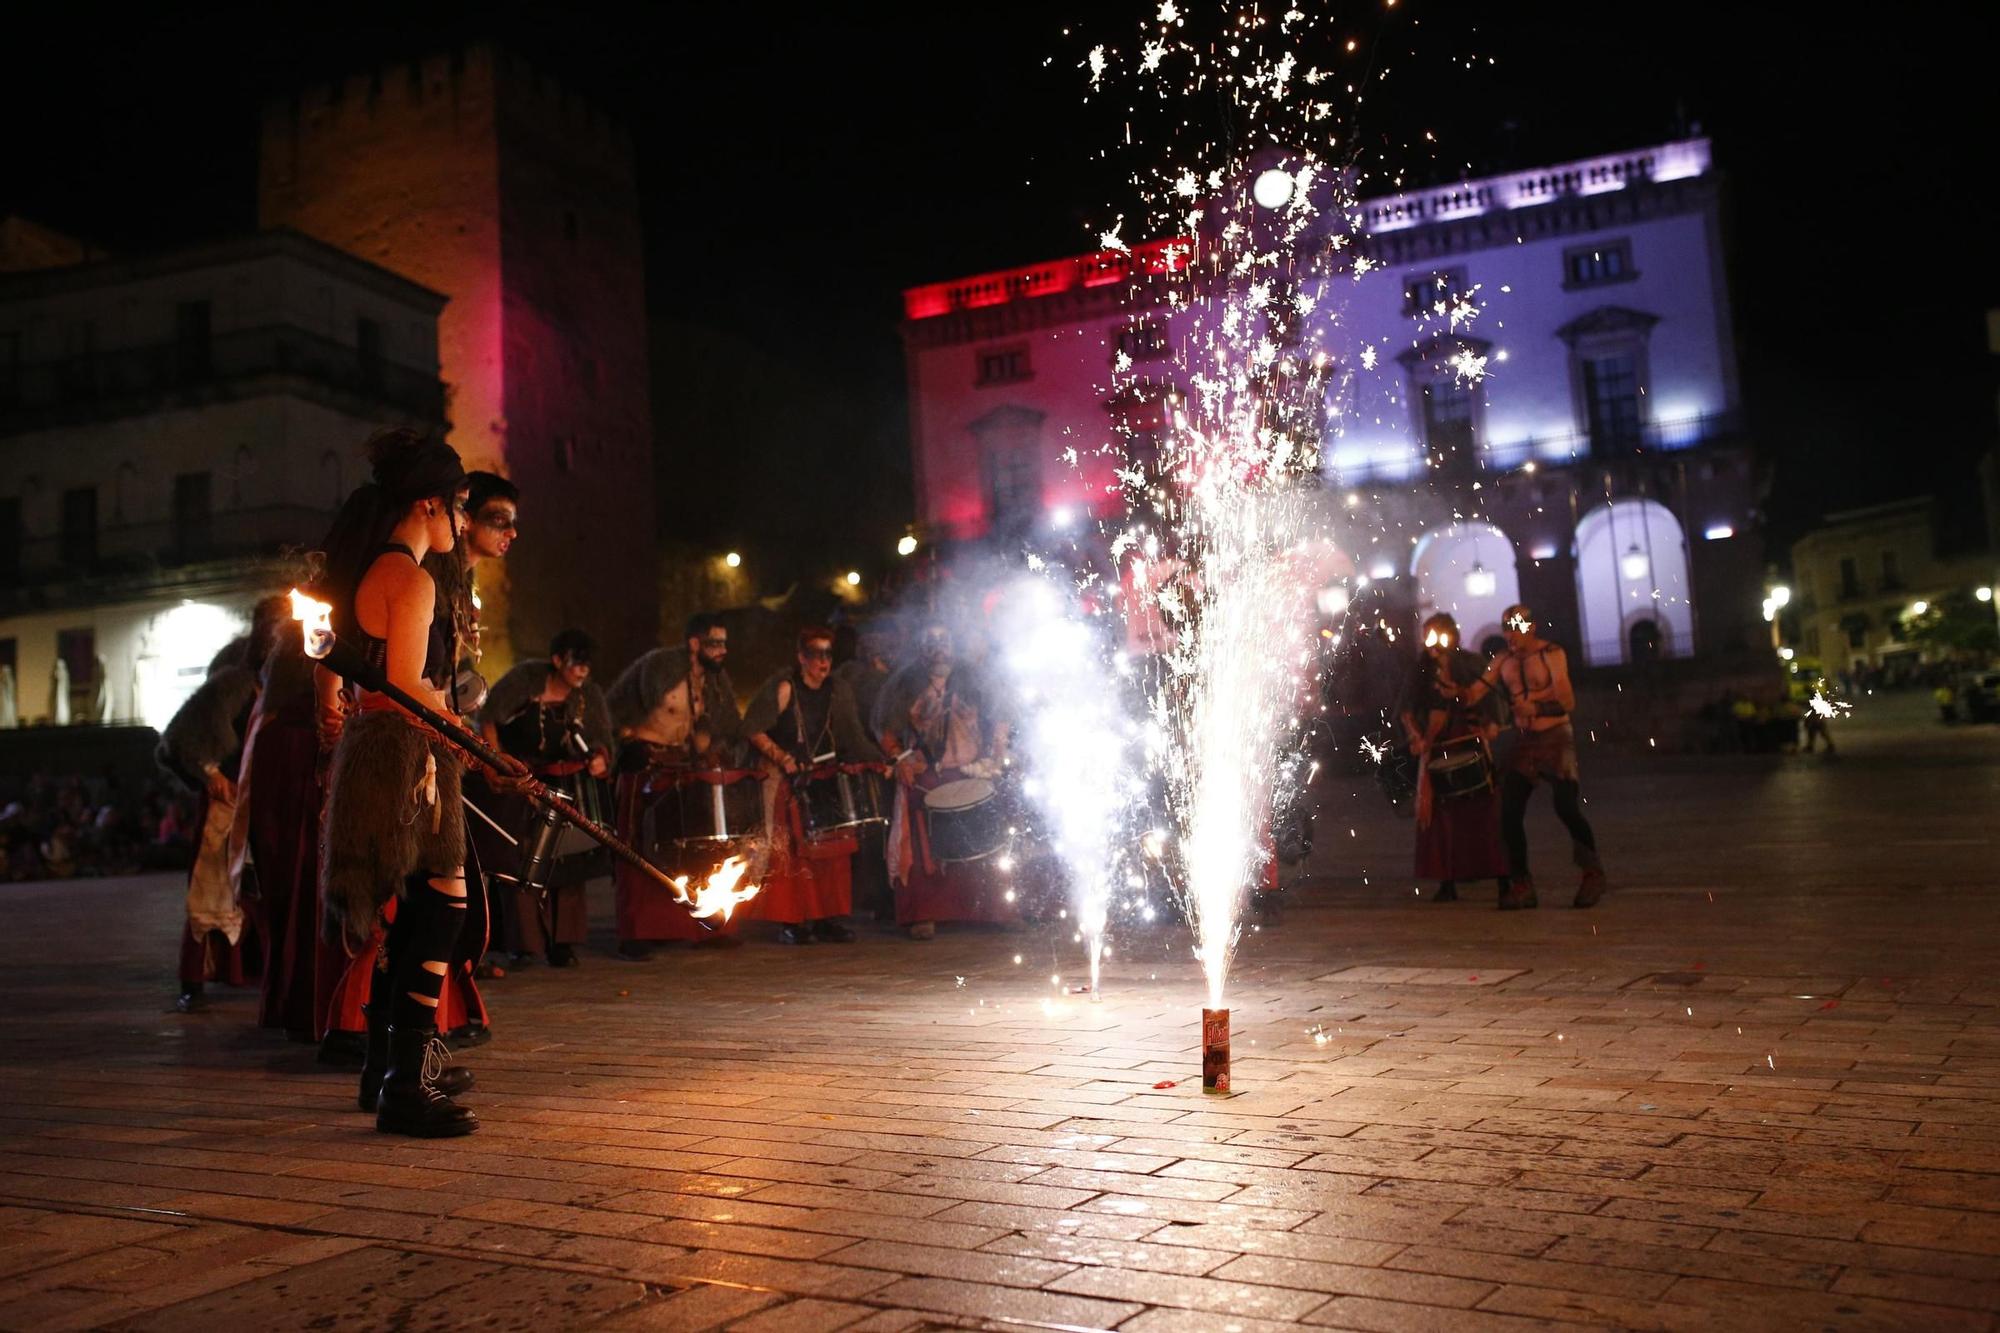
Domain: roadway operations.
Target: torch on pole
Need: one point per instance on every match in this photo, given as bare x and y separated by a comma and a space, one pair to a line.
325, 647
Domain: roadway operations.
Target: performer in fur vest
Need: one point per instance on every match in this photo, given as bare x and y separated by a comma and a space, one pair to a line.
394, 827
203, 746
484, 530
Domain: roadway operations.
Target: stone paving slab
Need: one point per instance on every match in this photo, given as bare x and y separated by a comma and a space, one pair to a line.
1758, 1087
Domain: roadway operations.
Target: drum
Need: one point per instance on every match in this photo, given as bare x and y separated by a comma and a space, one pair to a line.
1460, 767
835, 801
706, 810
968, 820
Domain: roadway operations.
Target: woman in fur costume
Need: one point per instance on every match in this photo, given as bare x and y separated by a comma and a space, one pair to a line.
394, 826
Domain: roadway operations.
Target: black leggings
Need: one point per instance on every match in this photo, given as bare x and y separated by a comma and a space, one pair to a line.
1514, 793
427, 925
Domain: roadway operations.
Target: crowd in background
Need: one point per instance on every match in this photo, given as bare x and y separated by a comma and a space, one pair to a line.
73, 827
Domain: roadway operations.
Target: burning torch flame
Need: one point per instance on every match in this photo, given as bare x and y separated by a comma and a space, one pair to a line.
316, 622
718, 895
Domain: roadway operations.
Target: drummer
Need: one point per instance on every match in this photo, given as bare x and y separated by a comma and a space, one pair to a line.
1458, 831
936, 714
801, 717
551, 716
658, 704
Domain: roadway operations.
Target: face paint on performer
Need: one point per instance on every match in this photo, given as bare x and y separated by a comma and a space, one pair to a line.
815, 662
712, 648
937, 648
572, 672
493, 529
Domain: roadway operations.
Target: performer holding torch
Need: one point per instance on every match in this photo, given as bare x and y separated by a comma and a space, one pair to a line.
394, 825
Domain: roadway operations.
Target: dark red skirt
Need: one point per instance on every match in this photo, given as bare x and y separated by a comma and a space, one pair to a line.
646, 908
1463, 839
284, 846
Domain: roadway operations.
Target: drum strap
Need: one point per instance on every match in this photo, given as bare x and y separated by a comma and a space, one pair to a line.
809, 749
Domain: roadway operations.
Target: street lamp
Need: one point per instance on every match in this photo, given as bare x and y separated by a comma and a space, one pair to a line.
853, 578
1918, 608
1781, 596
733, 560
907, 546
1983, 594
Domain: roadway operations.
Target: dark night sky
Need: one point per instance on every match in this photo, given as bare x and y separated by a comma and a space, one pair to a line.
798, 170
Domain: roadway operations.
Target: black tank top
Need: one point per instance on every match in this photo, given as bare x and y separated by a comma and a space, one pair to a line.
437, 651
801, 730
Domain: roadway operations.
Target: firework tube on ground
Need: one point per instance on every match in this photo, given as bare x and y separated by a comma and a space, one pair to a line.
1215, 1051
325, 647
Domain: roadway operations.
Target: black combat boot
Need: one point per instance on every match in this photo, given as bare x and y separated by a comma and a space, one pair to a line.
411, 1102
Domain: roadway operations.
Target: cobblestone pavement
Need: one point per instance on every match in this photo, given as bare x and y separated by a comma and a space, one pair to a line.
1759, 1086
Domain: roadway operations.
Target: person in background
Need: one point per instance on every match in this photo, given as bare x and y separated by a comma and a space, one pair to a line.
935, 718
549, 714
864, 674
659, 704
203, 746
1458, 831
801, 715
1533, 676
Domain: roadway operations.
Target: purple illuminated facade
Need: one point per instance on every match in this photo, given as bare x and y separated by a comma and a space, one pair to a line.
1597, 469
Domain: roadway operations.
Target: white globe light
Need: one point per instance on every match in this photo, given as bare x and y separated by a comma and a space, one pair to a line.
1984, 594
1634, 564
733, 560
1272, 189
907, 546
1781, 596
1918, 608
1480, 582
853, 578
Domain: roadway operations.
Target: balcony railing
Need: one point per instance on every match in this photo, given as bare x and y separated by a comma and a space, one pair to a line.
129, 548
1551, 450
130, 380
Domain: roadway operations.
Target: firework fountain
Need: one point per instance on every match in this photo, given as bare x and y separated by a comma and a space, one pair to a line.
1087, 781
1249, 168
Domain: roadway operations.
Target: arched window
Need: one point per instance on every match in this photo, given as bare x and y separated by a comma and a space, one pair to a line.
1466, 570
1632, 570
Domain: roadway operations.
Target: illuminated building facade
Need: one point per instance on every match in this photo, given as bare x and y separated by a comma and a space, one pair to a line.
169, 427
1862, 576
479, 177
1597, 469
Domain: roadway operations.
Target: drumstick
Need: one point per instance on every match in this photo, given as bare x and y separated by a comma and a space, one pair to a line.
489, 821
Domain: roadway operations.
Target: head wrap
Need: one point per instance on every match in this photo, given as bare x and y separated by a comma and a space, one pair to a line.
422, 471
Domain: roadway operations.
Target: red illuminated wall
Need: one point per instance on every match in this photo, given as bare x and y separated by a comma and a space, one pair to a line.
1065, 316
479, 178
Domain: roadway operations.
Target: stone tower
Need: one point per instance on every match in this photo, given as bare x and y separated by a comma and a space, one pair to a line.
479, 177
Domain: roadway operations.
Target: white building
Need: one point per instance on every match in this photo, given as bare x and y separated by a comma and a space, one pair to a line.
1597, 469
170, 428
